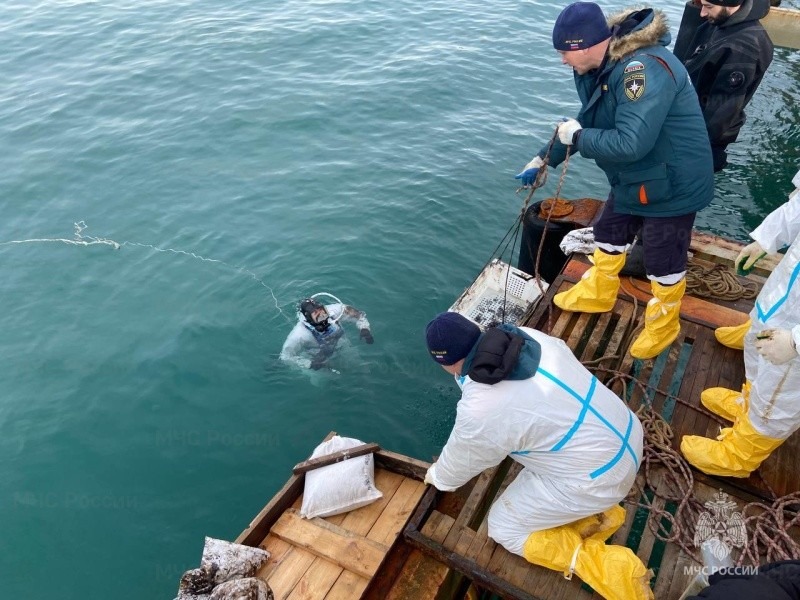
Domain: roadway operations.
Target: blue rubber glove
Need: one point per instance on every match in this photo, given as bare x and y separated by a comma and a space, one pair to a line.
530, 171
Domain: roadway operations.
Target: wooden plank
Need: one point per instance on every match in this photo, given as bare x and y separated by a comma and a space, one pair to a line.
335, 457
439, 534
278, 550
316, 581
477, 502
467, 567
601, 331
397, 511
259, 527
361, 520
403, 465
421, 579
722, 250
579, 331
694, 309
347, 587
351, 552
291, 569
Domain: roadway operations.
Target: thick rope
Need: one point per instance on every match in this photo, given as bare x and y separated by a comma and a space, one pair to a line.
670, 479
718, 282
768, 530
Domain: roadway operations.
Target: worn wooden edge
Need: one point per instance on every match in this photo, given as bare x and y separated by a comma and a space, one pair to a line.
335, 457
423, 510
402, 465
281, 501
468, 568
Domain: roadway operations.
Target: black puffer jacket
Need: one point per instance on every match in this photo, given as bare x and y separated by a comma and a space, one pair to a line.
774, 581
726, 63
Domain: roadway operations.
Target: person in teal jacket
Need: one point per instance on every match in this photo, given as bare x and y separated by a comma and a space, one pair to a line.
640, 120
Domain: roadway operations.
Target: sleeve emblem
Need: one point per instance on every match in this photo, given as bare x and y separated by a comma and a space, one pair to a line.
634, 85
735, 79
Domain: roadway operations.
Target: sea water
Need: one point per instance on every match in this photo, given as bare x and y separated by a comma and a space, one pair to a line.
237, 157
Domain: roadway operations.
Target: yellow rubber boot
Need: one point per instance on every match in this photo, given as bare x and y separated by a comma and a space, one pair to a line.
602, 525
661, 320
737, 452
596, 292
732, 337
614, 572
726, 403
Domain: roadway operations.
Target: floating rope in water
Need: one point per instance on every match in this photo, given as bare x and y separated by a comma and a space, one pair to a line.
78, 240
87, 240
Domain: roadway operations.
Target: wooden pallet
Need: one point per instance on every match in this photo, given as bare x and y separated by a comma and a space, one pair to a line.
694, 362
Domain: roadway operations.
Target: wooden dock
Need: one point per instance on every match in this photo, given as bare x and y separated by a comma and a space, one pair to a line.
418, 543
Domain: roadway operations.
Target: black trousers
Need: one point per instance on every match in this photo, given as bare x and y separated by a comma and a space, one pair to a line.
665, 239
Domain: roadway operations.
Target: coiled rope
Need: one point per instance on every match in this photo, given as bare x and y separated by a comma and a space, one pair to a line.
669, 478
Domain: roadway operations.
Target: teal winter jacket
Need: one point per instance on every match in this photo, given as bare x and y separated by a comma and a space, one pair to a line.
642, 123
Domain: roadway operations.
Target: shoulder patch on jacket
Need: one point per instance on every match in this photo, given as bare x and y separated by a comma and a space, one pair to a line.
632, 66
634, 85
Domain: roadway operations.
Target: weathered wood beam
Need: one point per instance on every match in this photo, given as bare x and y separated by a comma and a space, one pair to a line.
335, 457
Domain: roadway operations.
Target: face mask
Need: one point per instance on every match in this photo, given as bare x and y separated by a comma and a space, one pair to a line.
321, 323
317, 317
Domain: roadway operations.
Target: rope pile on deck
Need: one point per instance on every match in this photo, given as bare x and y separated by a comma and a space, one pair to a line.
767, 525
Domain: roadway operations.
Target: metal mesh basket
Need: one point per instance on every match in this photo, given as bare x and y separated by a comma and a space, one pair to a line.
485, 302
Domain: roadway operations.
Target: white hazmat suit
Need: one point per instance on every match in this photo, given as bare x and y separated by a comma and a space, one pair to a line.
579, 444
308, 347
767, 411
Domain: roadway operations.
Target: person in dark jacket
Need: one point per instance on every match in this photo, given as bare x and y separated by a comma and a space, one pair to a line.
774, 581
726, 61
640, 120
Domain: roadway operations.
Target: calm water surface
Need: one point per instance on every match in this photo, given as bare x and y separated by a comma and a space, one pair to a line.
244, 157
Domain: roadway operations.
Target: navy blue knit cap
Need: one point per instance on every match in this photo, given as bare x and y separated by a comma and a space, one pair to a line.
580, 25
450, 337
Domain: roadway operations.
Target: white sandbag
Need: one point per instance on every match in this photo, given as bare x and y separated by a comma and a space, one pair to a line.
342, 486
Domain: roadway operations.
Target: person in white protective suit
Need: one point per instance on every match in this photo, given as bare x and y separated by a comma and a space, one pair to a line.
767, 410
525, 395
313, 339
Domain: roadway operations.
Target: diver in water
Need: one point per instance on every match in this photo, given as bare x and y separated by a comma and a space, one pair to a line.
313, 340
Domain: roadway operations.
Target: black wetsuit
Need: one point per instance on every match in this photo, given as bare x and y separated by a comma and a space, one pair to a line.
726, 63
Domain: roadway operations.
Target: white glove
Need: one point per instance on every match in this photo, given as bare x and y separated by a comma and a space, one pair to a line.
749, 255
776, 345
536, 163
428, 479
567, 129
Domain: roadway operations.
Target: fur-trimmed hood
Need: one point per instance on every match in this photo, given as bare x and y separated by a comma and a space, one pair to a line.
636, 28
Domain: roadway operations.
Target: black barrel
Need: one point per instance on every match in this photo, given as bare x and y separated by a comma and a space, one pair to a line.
553, 259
